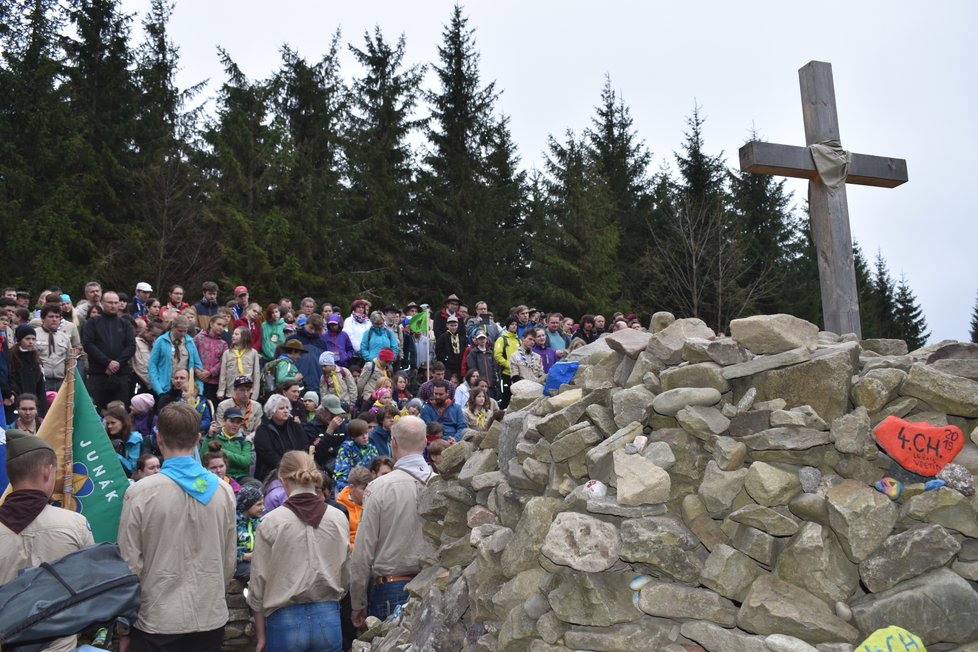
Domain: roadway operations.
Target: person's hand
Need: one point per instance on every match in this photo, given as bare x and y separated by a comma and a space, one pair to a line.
214, 427
203, 374
260, 644
359, 618
123, 644
112, 368
334, 423
298, 378
246, 556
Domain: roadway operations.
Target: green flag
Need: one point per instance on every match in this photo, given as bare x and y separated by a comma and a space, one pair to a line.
419, 323
98, 481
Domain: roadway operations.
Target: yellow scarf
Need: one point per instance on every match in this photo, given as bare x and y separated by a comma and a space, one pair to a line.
238, 355
336, 382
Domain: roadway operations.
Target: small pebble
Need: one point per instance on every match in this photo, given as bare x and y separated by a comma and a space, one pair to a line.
843, 611
930, 485
889, 487
958, 478
810, 477
640, 581
631, 449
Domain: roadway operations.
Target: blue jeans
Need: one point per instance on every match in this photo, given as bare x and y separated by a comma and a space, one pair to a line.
309, 627
382, 599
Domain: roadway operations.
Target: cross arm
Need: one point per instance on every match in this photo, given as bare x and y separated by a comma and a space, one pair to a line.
791, 161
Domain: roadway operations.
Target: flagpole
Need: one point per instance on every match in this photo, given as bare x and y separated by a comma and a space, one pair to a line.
68, 484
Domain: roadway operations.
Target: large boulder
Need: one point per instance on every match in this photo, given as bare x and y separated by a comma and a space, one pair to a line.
773, 606
664, 544
684, 602
582, 542
950, 394
939, 606
861, 516
774, 333
907, 555
671, 402
599, 599
628, 341
667, 344
639, 481
822, 382
815, 561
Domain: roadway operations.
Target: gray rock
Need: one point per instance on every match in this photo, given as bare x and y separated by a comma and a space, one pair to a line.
481, 461
659, 453
851, 434
582, 542
639, 481
884, 346
907, 555
602, 418
661, 320
683, 602
966, 569
671, 402
554, 424
766, 363
643, 633
665, 544
725, 351
629, 342
702, 374
774, 333
870, 393
963, 368
769, 485
901, 362
861, 516
782, 643
809, 477
610, 506
950, 394
746, 402
938, 607
729, 453
943, 507
766, 519
802, 416
954, 351
517, 590
752, 542
645, 364
729, 572
574, 440
600, 460
667, 344
714, 638
530, 532
748, 423
786, 439
719, 488
524, 392
810, 507
958, 477
597, 599
814, 561
822, 382
772, 606
702, 422
632, 404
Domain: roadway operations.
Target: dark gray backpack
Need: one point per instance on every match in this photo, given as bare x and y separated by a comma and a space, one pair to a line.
84, 588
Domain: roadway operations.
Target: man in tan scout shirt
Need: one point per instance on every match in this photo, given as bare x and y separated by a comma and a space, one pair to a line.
31, 531
177, 533
389, 539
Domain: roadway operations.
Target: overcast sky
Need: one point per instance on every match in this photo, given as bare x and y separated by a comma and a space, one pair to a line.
904, 82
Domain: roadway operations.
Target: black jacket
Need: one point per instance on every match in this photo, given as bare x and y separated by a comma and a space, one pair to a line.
273, 441
107, 338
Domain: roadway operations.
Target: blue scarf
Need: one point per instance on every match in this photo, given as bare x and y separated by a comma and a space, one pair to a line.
187, 472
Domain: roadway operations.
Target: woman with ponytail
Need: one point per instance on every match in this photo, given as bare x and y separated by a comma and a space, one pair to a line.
296, 604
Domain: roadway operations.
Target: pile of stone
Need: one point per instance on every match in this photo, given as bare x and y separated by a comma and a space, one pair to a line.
689, 491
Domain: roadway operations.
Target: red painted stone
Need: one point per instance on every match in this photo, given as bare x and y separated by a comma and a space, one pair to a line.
919, 447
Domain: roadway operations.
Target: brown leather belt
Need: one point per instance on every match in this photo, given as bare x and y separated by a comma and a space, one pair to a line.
393, 578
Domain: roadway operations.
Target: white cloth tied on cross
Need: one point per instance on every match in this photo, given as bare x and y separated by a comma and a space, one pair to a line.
832, 163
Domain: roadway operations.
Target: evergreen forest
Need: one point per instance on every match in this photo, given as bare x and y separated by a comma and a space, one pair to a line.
366, 183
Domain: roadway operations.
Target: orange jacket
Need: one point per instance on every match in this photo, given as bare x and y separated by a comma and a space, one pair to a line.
353, 509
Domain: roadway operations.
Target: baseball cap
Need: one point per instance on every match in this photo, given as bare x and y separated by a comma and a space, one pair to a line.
233, 413
333, 405
143, 287
241, 289
241, 381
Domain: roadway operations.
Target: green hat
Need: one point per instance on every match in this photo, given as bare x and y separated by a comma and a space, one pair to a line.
20, 442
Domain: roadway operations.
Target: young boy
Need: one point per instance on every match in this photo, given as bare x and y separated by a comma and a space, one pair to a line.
250, 509
356, 451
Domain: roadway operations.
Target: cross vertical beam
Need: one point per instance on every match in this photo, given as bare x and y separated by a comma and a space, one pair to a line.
829, 209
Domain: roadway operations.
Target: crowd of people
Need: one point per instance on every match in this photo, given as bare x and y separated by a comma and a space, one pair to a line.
268, 434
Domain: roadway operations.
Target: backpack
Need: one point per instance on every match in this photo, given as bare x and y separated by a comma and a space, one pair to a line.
61, 598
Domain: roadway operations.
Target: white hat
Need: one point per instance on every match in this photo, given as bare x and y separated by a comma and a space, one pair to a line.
144, 287
327, 359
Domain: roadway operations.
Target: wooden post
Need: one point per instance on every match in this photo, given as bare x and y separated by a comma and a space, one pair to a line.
828, 208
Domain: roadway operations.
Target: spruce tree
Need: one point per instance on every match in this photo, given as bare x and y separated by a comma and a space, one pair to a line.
908, 318
309, 107
456, 251
623, 159
868, 314
381, 215
574, 269
771, 235
241, 145
974, 322
884, 298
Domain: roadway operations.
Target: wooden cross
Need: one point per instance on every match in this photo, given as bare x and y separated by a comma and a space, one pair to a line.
828, 209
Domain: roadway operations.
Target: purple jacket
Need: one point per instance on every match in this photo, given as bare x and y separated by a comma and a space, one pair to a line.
340, 343
549, 357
